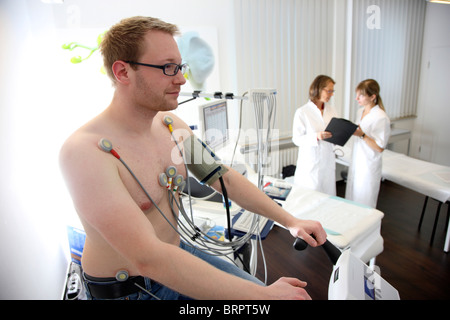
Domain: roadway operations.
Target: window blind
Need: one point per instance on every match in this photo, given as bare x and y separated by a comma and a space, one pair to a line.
389, 52
285, 44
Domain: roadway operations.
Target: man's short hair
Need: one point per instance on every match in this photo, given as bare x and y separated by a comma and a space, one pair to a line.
124, 40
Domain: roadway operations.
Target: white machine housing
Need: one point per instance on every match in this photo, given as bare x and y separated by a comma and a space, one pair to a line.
352, 279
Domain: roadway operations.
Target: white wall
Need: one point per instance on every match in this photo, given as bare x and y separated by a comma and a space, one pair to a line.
431, 129
33, 261
43, 99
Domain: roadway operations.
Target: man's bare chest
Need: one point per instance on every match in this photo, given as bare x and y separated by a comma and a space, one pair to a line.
141, 171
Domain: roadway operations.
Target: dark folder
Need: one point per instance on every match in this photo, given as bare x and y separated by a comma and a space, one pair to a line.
341, 129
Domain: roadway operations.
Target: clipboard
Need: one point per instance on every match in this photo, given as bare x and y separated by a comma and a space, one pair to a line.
341, 129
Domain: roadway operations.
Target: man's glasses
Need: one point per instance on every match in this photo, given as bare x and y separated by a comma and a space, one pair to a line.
169, 69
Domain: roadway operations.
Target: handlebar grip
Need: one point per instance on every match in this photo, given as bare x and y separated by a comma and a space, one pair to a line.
300, 244
332, 252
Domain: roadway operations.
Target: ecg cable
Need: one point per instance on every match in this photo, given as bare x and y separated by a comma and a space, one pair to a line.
168, 121
192, 233
106, 146
254, 227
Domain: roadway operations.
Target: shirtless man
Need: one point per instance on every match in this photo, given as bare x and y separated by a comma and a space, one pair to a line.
124, 230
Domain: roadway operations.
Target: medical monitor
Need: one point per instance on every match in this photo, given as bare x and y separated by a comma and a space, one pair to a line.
214, 123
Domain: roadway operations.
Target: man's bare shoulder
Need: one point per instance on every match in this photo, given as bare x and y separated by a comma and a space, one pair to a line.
85, 138
79, 142
80, 152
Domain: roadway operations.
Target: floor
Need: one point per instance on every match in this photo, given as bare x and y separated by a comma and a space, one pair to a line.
418, 270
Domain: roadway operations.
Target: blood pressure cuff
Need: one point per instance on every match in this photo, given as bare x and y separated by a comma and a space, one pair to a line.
202, 161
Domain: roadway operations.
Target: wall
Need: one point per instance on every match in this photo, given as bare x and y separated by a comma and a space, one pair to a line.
43, 99
431, 129
33, 261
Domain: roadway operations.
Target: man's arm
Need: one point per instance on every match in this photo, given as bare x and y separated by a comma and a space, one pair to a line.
249, 197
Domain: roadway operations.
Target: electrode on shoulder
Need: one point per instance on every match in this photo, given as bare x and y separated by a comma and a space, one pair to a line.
105, 145
168, 120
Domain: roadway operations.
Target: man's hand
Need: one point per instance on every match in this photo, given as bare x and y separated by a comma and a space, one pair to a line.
288, 289
305, 229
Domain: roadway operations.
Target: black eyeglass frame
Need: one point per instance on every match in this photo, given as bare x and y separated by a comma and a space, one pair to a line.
178, 67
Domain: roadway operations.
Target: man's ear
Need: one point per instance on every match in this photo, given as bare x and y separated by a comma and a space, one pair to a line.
120, 70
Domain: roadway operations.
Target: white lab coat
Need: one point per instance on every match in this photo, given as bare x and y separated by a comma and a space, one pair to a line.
316, 162
364, 175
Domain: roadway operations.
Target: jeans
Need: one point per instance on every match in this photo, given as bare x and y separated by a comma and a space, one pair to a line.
164, 293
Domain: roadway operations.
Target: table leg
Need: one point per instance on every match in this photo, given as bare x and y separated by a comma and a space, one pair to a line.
447, 238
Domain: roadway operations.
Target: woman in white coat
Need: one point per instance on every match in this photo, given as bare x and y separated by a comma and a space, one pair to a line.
316, 161
364, 176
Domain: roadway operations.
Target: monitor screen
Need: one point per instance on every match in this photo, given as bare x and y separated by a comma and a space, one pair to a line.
214, 123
